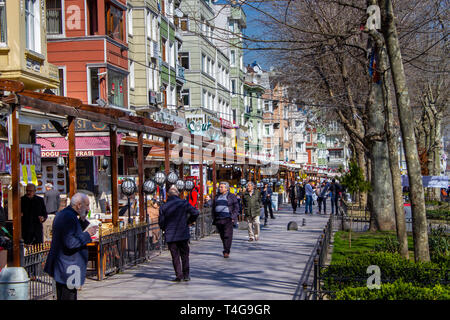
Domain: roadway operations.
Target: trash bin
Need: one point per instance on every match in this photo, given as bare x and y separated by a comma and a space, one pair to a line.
14, 284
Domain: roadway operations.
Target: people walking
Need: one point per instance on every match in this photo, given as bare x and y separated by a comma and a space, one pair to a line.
322, 196
68, 256
252, 208
335, 189
293, 196
266, 197
309, 191
175, 217
225, 210
34, 215
51, 199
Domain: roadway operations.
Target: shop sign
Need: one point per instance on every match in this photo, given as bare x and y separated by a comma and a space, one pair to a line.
226, 124
30, 155
169, 118
80, 125
78, 153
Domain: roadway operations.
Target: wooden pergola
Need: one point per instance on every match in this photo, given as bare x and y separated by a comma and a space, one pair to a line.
72, 109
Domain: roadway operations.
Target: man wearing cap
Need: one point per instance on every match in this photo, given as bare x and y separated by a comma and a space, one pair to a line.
51, 199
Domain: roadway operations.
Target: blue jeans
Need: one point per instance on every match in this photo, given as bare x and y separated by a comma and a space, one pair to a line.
309, 201
334, 204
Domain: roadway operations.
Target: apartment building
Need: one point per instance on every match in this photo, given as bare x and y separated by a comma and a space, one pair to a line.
337, 146
206, 93
23, 45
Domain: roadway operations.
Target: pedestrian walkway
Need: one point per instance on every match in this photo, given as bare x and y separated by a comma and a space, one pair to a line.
267, 269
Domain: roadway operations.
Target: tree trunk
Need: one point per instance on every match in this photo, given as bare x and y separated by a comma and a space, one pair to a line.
382, 205
420, 235
393, 159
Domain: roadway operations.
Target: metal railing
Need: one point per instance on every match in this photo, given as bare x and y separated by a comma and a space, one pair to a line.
41, 284
119, 249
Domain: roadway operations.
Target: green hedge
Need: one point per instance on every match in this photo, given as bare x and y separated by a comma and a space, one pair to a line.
439, 214
398, 290
352, 272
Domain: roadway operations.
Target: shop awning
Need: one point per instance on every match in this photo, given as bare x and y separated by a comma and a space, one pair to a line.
88, 146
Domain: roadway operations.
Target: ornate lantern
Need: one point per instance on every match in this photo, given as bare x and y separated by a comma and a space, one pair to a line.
189, 185
180, 185
149, 186
160, 178
172, 177
128, 188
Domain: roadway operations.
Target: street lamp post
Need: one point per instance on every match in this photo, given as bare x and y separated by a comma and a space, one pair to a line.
128, 188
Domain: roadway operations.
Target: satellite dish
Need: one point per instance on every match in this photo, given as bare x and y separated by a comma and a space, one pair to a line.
178, 13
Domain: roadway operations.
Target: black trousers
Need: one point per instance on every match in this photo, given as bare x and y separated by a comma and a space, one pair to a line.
225, 228
268, 204
320, 201
180, 251
64, 293
294, 204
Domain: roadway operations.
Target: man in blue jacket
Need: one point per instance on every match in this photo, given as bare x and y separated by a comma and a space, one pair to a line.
225, 210
266, 196
175, 216
68, 256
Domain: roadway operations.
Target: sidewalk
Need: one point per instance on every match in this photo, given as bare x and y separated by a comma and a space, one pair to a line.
267, 269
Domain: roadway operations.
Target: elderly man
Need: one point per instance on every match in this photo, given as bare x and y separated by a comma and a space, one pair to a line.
175, 216
68, 256
225, 210
34, 214
51, 199
252, 209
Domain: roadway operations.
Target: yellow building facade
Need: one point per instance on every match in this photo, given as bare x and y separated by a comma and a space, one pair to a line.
23, 44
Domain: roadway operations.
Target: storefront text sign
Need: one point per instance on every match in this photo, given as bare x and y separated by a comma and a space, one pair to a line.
30, 154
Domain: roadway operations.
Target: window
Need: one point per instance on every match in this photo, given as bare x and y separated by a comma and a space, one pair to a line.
335, 154
154, 28
233, 86
185, 94
298, 123
232, 58
163, 7
172, 54
32, 25
231, 26
268, 106
92, 17
54, 17
60, 91
130, 21
204, 99
286, 154
150, 82
114, 22
185, 60
203, 63
2, 22
299, 146
185, 23
286, 134
163, 46
208, 71
286, 113
116, 88
131, 75
268, 130
94, 92
234, 116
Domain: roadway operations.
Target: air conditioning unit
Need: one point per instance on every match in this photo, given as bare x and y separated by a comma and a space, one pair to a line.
159, 97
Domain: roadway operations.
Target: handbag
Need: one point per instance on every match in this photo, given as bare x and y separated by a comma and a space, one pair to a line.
314, 196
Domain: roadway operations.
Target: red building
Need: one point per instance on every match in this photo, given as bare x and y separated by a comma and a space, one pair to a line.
87, 41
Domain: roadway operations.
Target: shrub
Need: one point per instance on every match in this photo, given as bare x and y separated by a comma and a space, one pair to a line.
441, 214
439, 243
398, 290
352, 272
388, 244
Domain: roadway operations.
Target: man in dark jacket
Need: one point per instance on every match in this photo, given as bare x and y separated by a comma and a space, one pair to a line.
335, 189
175, 216
322, 196
293, 196
68, 256
51, 199
34, 214
266, 196
225, 210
